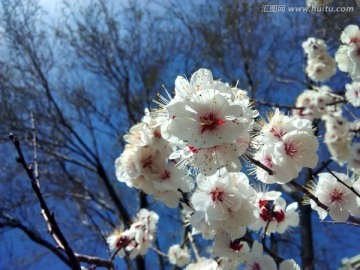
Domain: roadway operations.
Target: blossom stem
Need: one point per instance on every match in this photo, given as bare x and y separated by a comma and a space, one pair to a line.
193, 246
159, 252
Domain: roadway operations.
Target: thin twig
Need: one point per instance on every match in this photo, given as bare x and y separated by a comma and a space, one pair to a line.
159, 252
324, 164
49, 215
36, 165
269, 215
337, 222
273, 104
99, 262
193, 246
309, 194
258, 163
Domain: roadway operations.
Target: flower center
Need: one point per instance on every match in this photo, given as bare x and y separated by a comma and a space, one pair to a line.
336, 196
263, 203
268, 214
255, 266
354, 40
235, 245
123, 242
209, 122
278, 132
217, 195
268, 162
157, 134
165, 175
290, 149
147, 162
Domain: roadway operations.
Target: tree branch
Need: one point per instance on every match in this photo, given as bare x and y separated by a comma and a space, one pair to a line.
50, 218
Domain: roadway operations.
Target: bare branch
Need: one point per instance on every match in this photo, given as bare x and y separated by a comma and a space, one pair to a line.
50, 218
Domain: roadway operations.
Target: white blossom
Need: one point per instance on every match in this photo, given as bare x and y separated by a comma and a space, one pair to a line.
288, 144
316, 103
215, 194
348, 55
289, 265
352, 93
338, 138
204, 263
137, 239
321, 67
335, 195
274, 215
179, 256
209, 121
256, 260
314, 47
225, 246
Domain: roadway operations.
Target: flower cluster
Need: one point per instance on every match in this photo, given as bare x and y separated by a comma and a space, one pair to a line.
189, 150
144, 164
287, 145
209, 121
317, 102
340, 138
348, 54
320, 65
137, 239
223, 201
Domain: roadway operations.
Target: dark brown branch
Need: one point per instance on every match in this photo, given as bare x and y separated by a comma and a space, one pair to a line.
309, 194
100, 168
336, 102
289, 107
269, 215
47, 213
273, 104
99, 262
34, 236
49, 217
324, 164
258, 163
185, 199
36, 169
122, 210
317, 201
